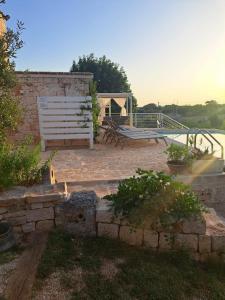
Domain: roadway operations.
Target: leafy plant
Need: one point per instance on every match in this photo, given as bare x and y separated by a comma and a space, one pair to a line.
95, 108
154, 196
10, 114
10, 108
20, 164
178, 153
203, 154
198, 154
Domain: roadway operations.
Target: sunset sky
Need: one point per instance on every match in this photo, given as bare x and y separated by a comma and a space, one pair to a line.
172, 50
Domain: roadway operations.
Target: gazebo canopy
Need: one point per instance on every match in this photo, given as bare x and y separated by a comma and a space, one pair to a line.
104, 100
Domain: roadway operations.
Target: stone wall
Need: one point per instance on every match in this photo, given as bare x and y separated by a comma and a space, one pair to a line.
28, 209
210, 189
34, 84
203, 238
47, 206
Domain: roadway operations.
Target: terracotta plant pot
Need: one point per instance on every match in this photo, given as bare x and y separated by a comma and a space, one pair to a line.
177, 167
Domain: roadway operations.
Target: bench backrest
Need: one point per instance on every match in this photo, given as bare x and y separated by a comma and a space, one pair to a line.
62, 118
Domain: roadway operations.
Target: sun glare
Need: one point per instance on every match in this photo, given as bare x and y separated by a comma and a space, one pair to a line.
220, 80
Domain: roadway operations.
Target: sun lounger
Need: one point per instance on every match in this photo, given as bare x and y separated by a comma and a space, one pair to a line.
119, 134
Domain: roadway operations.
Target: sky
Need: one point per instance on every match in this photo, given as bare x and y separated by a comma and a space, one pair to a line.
173, 51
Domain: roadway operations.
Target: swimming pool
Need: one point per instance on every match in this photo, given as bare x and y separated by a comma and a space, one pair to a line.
182, 138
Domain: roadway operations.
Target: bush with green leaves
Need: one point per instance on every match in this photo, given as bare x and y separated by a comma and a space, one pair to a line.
11, 110
151, 197
20, 164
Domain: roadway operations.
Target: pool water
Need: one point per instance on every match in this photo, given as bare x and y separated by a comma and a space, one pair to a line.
204, 143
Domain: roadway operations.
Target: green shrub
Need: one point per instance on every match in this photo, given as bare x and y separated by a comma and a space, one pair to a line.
154, 196
20, 164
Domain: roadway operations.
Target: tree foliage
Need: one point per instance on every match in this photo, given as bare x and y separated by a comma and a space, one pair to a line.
208, 115
110, 77
10, 108
19, 164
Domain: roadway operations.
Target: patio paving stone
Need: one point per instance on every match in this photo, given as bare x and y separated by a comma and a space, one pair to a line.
107, 162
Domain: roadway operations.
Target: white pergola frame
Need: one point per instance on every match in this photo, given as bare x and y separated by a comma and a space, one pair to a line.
129, 102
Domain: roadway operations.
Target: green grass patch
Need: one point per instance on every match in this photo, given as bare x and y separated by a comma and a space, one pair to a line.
9, 255
141, 273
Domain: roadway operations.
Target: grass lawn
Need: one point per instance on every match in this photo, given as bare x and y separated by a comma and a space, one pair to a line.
9, 255
112, 270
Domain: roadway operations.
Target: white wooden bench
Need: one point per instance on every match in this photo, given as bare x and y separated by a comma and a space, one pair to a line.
62, 118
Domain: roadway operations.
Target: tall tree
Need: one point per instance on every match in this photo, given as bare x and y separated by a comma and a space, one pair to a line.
110, 77
10, 108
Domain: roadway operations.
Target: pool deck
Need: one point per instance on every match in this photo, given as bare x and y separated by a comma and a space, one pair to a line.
107, 162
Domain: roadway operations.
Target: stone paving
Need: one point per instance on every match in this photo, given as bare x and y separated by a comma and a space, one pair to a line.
107, 162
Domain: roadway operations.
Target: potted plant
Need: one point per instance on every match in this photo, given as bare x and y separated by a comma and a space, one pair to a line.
178, 158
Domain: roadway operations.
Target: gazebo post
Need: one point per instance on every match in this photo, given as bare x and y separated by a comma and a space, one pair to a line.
127, 104
131, 110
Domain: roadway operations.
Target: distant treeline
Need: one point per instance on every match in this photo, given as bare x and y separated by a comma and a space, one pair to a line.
208, 115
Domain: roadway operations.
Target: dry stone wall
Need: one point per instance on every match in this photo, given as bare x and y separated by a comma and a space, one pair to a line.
34, 84
47, 206
210, 189
203, 238
28, 209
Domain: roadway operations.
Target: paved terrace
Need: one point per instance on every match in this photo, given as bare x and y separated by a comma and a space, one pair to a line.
107, 162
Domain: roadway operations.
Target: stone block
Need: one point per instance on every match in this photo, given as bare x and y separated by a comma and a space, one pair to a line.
79, 213
130, 235
59, 209
17, 229
40, 214
104, 215
165, 241
108, 230
17, 220
15, 214
45, 225
218, 243
204, 245
194, 225
48, 204
36, 205
55, 197
203, 257
3, 210
186, 241
151, 238
28, 227
59, 221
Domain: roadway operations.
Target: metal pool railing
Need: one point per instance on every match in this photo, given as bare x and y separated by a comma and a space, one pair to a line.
208, 136
155, 120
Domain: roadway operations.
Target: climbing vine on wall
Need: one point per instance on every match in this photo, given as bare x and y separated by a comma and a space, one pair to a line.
95, 108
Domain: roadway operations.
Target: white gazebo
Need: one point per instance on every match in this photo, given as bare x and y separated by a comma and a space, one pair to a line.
105, 101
